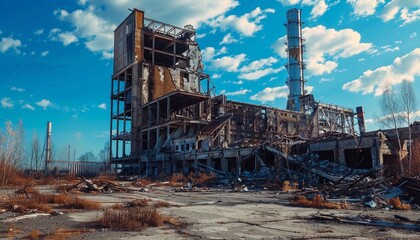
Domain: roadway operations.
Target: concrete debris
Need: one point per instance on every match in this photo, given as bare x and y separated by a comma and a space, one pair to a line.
87, 186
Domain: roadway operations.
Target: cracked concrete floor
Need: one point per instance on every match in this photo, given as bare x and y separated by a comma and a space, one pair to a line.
220, 214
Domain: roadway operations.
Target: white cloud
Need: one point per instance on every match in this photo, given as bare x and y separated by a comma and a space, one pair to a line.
16, 89
403, 7
66, 38
235, 93
378, 80
6, 103
413, 35
408, 16
216, 76
326, 80
199, 36
28, 106
319, 6
255, 75
45, 53
209, 53
39, 31
270, 94
229, 63
246, 25
259, 68
398, 42
228, 39
44, 103
319, 9
102, 106
325, 46
363, 8
10, 43
94, 23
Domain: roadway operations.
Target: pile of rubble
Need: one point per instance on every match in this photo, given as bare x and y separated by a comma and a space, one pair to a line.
88, 186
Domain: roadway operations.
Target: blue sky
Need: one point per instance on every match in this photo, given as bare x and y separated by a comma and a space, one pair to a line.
56, 56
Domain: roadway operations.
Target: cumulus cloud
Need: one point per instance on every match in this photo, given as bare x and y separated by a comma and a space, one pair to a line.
44, 103
363, 8
229, 63
235, 93
66, 38
246, 25
270, 94
28, 106
228, 39
209, 53
325, 46
16, 89
404, 8
259, 68
95, 20
39, 31
319, 6
7, 43
6, 103
45, 53
413, 35
102, 106
378, 80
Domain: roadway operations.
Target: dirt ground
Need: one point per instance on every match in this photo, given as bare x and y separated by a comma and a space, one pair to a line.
210, 214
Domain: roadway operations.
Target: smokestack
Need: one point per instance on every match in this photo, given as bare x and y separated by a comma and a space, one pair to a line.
294, 66
360, 119
48, 147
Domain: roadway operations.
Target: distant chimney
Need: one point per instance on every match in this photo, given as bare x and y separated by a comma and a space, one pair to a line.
361, 119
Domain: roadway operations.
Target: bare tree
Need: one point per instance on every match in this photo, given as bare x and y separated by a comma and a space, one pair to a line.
104, 153
11, 151
35, 152
408, 106
391, 119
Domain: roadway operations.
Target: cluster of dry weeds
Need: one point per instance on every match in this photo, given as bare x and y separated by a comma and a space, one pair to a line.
317, 202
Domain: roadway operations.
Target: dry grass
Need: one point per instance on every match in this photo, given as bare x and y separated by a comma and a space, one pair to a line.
107, 177
203, 178
80, 203
397, 204
21, 203
19, 179
177, 180
131, 219
35, 234
161, 204
117, 206
139, 203
287, 186
317, 202
65, 233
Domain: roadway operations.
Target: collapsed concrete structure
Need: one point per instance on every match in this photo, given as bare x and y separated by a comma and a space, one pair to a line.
165, 117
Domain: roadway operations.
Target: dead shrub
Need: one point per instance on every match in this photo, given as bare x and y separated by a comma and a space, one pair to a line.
203, 177
287, 186
317, 202
139, 203
19, 179
161, 204
177, 180
131, 219
397, 204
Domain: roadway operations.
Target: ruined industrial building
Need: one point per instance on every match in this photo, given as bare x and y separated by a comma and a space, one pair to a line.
166, 118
